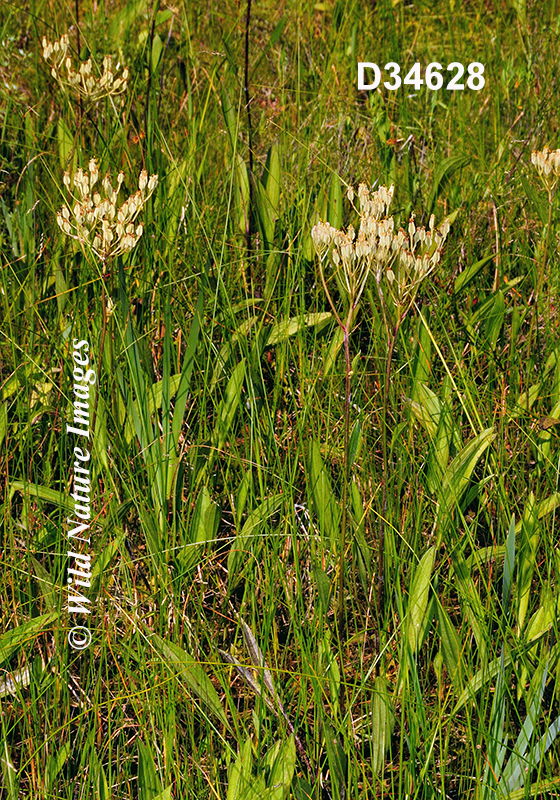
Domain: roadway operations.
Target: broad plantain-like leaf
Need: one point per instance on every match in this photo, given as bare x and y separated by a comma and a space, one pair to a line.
324, 501
467, 275
23, 635
196, 680
282, 770
149, 784
457, 477
251, 531
450, 648
383, 717
289, 327
417, 615
335, 203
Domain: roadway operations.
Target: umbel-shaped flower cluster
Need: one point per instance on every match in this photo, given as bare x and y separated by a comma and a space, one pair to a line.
94, 219
399, 260
82, 81
547, 163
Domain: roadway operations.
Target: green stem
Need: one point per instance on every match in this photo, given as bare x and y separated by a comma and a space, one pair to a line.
101, 345
384, 503
345, 478
540, 279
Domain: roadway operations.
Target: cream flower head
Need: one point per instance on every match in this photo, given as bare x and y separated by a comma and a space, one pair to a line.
93, 217
547, 163
82, 81
400, 259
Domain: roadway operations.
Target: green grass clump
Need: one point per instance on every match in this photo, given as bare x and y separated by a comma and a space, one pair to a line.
325, 558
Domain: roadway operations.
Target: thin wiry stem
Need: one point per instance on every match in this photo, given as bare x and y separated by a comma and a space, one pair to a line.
249, 128
346, 474
101, 345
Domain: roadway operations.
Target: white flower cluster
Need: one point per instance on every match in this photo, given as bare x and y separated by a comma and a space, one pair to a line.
82, 81
404, 260
547, 163
94, 219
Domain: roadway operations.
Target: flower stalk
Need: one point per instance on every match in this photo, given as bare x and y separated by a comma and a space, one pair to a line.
399, 261
547, 164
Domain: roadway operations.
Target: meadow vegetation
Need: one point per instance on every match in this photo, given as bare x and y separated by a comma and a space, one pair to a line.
325, 508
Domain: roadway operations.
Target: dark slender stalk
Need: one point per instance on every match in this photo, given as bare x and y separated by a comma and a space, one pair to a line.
246, 86
249, 131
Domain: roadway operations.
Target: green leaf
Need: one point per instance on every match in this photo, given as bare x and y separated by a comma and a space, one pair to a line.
55, 763
427, 409
489, 671
230, 118
47, 586
525, 401
166, 794
23, 635
289, 327
239, 778
541, 205
3, 421
228, 348
324, 587
324, 501
196, 680
242, 194
334, 215
495, 319
204, 525
272, 177
157, 51
243, 545
9, 772
545, 507
227, 409
274, 37
282, 770
470, 599
383, 717
122, 20
102, 785
65, 145
469, 274
421, 365
337, 759
149, 784
447, 167
337, 341
266, 214
509, 566
450, 648
163, 16
60, 499
416, 621
457, 477
513, 776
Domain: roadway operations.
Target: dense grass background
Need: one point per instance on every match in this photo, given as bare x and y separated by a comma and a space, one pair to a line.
218, 448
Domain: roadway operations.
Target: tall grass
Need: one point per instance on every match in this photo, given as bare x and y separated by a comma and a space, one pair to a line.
216, 668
